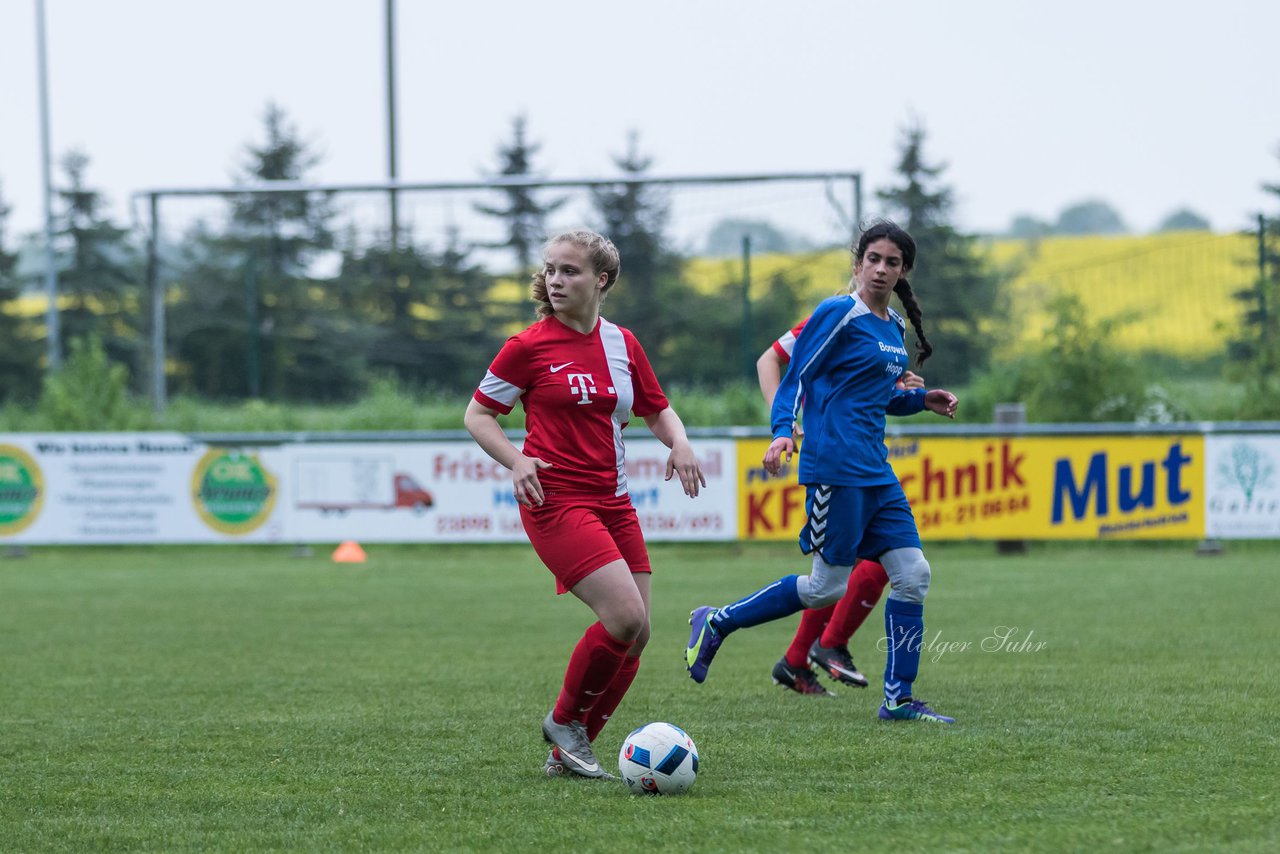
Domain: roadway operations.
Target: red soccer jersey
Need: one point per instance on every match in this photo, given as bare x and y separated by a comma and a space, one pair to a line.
577, 391
787, 343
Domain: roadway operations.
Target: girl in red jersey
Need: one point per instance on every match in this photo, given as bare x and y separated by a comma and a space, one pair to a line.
579, 378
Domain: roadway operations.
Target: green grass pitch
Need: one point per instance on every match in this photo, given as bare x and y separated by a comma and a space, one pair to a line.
238, 698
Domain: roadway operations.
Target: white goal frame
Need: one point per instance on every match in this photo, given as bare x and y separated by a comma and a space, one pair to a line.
154, 196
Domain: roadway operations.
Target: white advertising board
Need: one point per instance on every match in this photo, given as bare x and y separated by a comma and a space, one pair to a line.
1242, 487
167, 488
135, 488
453, 492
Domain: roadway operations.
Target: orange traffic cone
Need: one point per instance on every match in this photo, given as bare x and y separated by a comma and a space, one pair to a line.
349, 552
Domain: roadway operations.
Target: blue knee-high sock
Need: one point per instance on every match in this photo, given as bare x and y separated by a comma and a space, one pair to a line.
768, 603
904, 628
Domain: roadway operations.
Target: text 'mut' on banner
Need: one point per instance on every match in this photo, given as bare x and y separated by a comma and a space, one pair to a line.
1068, 488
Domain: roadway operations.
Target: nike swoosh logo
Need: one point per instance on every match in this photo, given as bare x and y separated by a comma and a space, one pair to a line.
867, 604
590, 767
556, 368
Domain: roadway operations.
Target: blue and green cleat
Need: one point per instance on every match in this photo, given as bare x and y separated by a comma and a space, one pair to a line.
912, 710
703, 643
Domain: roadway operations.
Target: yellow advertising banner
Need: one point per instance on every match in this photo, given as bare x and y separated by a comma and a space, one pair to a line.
1013, 488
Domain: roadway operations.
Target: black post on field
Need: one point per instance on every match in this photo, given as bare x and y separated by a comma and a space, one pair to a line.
748, 362
253, 326
154, 288
1262, 272
1008, 418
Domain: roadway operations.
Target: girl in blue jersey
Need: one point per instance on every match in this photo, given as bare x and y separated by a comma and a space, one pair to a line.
844, 369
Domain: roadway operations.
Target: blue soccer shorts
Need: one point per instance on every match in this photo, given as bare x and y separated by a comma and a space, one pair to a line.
846, 523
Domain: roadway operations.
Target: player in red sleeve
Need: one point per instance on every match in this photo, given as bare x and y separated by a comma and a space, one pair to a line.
822, 638
580, 378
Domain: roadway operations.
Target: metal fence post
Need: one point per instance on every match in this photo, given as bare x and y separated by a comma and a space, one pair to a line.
1010, 416
158, 391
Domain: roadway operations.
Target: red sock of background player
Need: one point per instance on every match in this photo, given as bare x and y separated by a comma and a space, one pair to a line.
866, 583
812, 622
594, 663
609, 700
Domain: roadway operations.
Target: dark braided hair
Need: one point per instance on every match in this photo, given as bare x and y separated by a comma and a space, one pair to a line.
884, 229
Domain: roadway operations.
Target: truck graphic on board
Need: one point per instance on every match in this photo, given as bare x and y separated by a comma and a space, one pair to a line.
340, 483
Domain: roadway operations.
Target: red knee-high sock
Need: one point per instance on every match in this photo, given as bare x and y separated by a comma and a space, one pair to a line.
812, 622
594, 663
866, 583
609, 700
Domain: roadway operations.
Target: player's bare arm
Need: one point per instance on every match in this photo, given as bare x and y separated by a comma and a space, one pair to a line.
769, 371
482, 423
669, 429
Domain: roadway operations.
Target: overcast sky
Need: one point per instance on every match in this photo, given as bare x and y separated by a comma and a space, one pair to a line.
1151, 105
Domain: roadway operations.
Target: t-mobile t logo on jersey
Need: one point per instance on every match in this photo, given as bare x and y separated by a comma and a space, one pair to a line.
582, 385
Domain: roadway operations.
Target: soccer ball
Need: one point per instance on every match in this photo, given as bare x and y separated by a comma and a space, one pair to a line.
658, 759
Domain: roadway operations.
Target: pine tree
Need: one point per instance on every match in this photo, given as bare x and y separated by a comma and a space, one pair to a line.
1256, 346
650, 298
99, 285
468, 326
435, 324
956, 290
259, 323
307, 350
19, 349
288, 229
524, 215
634, 214
211, 301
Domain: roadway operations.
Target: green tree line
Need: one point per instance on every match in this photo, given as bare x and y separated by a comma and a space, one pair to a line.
249, 318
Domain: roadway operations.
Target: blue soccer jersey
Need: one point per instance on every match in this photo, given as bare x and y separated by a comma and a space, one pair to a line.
843, 370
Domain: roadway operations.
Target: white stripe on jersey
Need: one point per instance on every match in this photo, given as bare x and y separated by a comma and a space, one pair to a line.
859, 308
788, 343
499, 389
615, 353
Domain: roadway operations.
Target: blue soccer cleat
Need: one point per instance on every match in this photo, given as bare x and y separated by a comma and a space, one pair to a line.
912, 710
703, 643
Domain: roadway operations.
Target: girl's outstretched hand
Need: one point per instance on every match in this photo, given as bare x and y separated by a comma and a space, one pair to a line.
941, 401
684, 463
773, 457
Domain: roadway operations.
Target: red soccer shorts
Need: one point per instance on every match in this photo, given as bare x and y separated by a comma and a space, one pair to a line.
575, 537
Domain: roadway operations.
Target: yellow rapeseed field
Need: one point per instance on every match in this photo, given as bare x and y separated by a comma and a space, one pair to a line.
1172, 291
